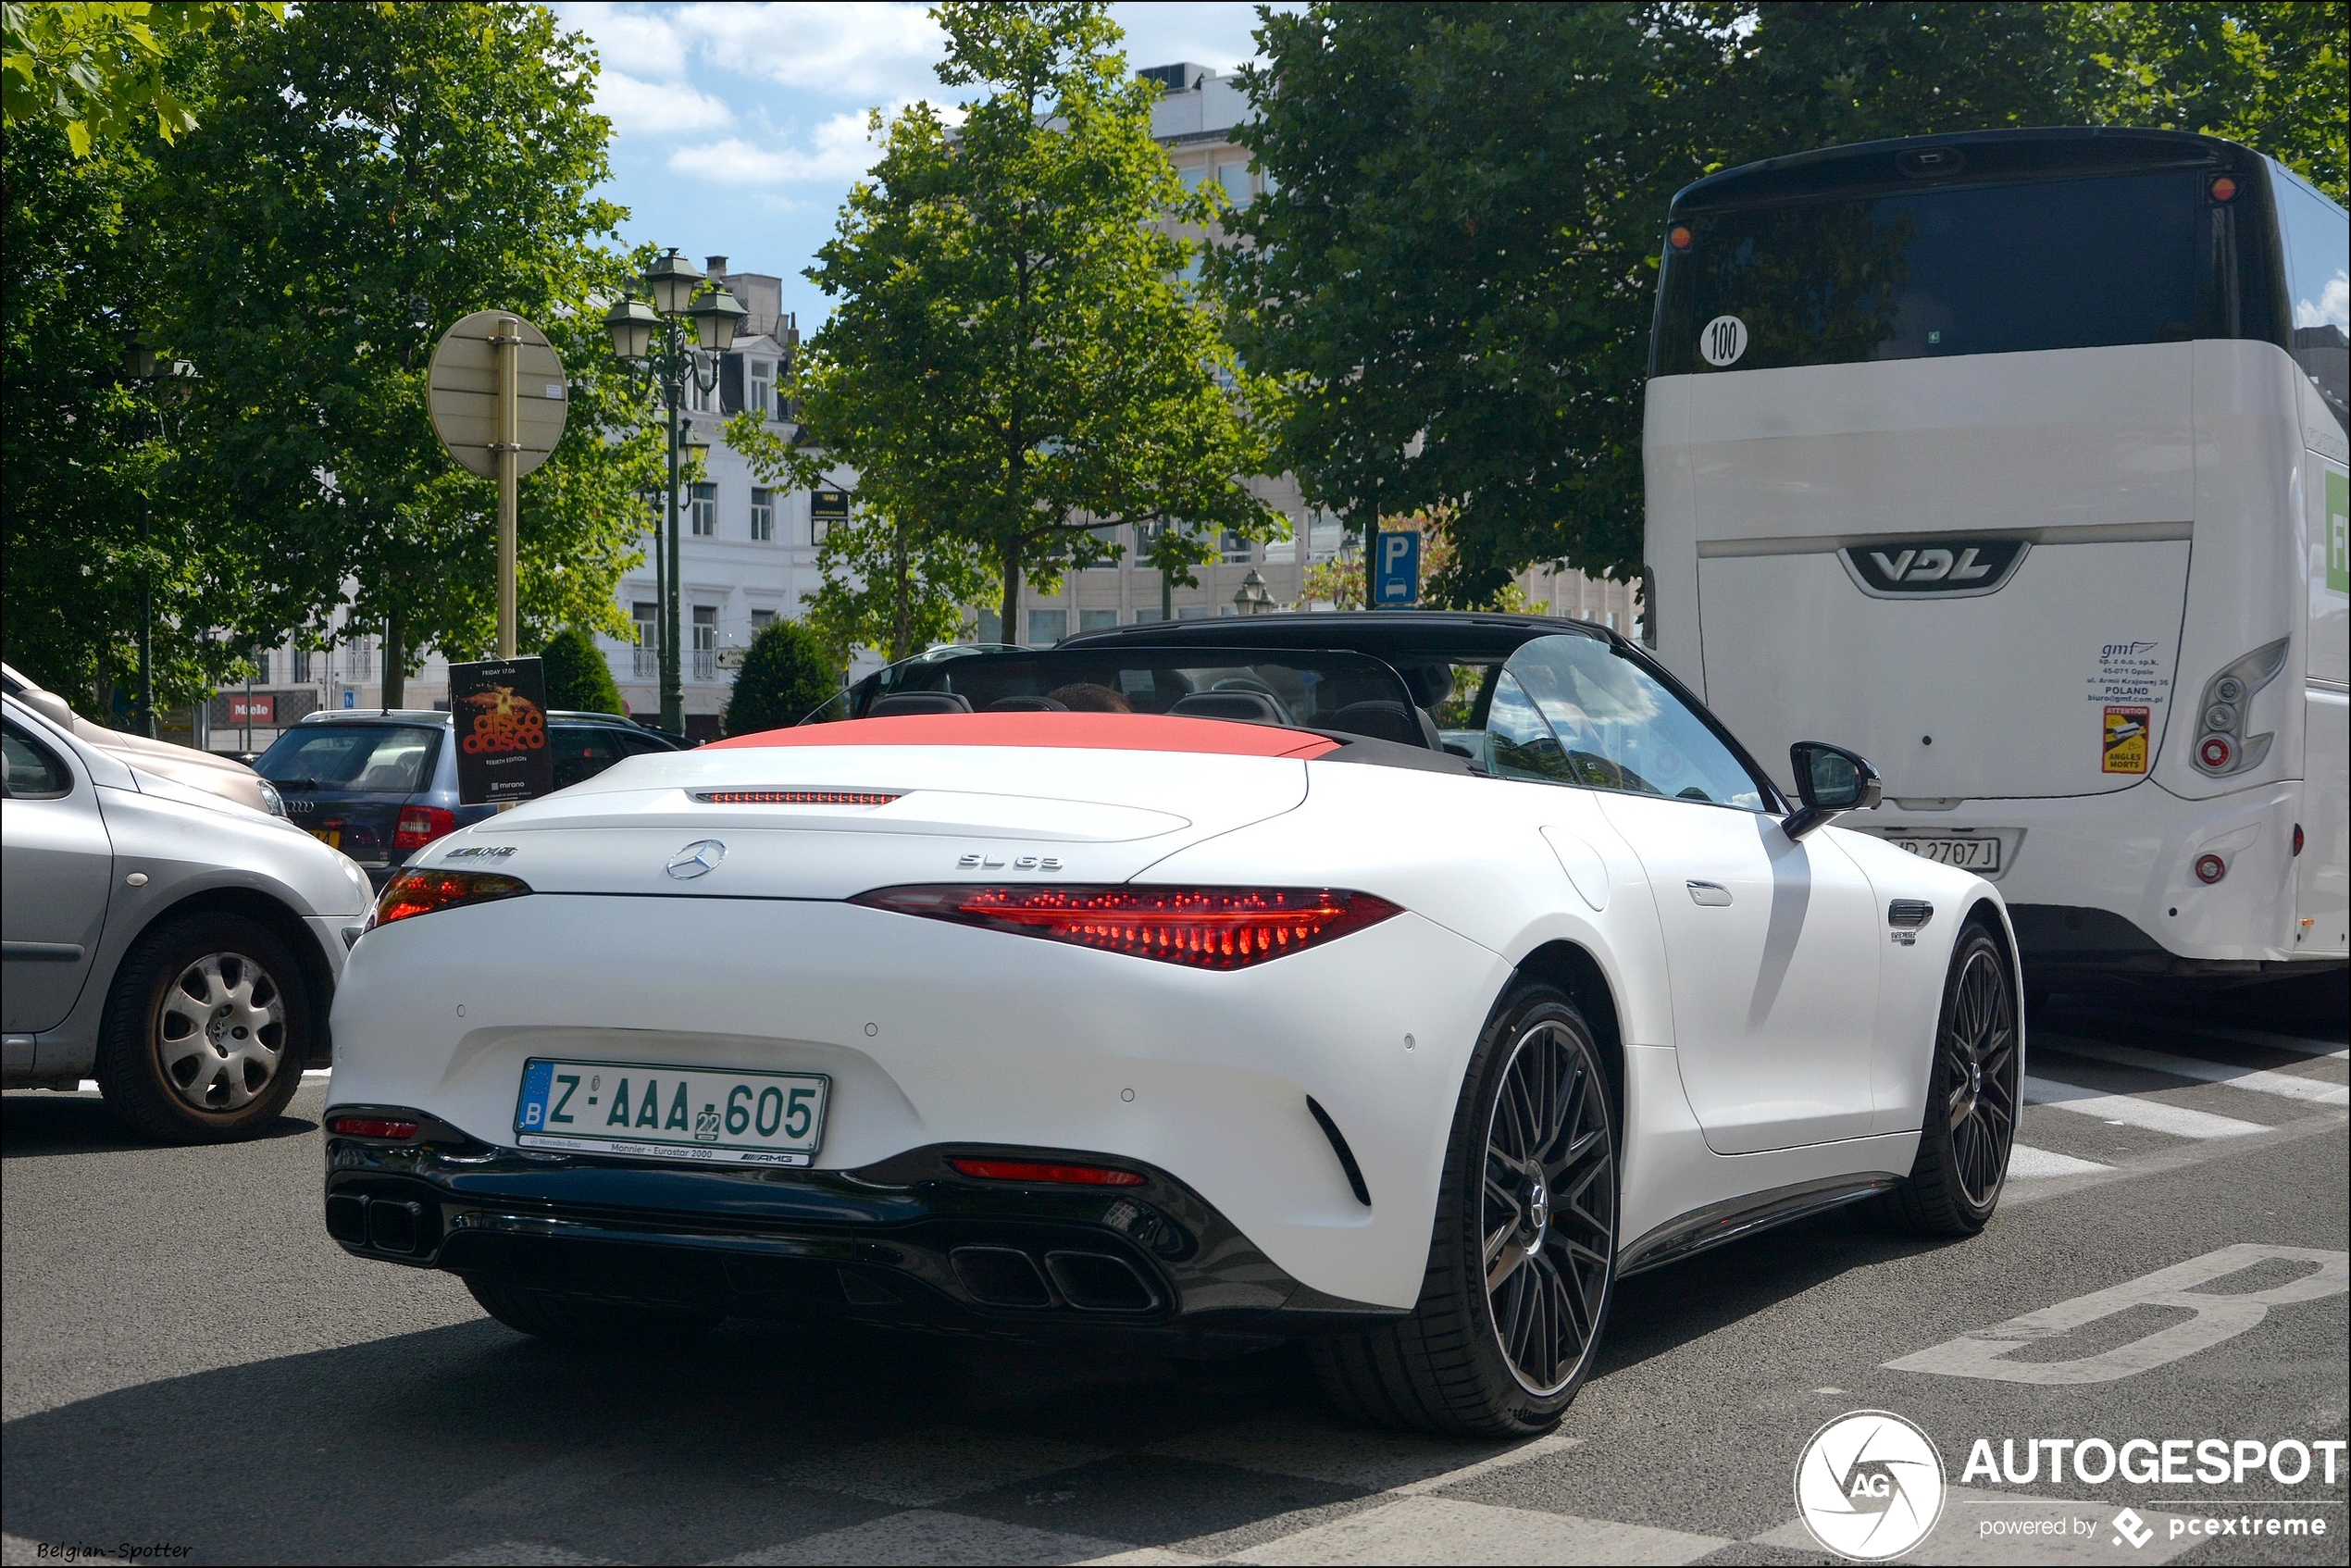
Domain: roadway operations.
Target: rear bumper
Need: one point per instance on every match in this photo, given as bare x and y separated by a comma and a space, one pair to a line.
2108, 881
907, 1243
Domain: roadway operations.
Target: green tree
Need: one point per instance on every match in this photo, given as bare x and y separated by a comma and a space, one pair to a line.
98, 69
787, 672
369, 175
578, 676
1015, 362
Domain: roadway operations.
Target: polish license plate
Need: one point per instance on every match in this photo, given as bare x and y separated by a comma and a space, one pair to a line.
655, 1112
1968, 855
331, 837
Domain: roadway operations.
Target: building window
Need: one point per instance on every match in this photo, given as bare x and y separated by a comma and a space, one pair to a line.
703, 510
760, 399
358, 658
763, 514
1048, 626
300, 673
1234, 177
761, 620
701, 399
705, 642
644, 661
1194, 612
1146, 613
1325, 535
1095, 620
260, 657
1236, 549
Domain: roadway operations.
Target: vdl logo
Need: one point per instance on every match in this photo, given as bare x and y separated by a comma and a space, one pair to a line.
1870, 1486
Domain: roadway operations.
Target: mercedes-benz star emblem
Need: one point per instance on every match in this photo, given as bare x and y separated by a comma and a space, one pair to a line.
696, 859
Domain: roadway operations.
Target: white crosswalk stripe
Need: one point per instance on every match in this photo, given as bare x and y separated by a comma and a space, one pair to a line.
2260, 1080
2028, 1163
2155, 1116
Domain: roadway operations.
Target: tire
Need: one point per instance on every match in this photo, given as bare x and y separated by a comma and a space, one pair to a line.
586, 1320
1504, 1360
206, 1031
1972, 1097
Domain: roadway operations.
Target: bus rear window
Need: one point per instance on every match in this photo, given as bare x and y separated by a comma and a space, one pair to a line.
1958, 270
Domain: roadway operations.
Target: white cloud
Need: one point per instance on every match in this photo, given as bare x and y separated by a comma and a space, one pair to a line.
645, 43
841, 153
657, 107
862, 49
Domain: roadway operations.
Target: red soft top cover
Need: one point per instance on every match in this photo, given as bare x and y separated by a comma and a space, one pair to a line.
1109, 732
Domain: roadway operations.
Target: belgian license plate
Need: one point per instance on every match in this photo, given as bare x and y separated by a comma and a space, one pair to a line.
1968, 855
331, 837
657, 1113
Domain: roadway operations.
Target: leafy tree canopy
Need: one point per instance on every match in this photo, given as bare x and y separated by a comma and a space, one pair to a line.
1015, 365
99, 68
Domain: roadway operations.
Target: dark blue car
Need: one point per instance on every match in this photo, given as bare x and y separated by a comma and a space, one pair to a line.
381, 786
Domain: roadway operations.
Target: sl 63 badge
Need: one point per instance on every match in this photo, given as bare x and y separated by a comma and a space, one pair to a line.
1020, 862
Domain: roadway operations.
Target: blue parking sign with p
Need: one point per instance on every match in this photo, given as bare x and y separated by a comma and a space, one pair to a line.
1397, 570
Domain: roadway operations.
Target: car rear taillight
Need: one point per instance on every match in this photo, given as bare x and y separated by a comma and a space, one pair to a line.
421, 826
372, 1127
796, 797
423, 892
1204, 927
1046, 1171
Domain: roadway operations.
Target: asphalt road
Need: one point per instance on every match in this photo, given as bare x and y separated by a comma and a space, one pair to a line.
190, 1364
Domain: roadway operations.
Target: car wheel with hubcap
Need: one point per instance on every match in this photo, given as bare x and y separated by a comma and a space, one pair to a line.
1523, 1263
1972, 1097
563, 1319
206, 1031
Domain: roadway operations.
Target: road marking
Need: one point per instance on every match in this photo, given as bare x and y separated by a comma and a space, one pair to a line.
1427, 1529
2218, 1316
2261, 1081
926, 1467
2155, 1116
2028, 1163
1370, 1460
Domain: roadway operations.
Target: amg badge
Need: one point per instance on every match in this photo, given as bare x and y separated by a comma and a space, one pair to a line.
1949, 568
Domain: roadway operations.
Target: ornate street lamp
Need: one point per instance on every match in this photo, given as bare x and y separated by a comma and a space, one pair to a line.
1252, 599
655, 339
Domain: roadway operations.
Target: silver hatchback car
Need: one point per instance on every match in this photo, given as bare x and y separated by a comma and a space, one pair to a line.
180, 948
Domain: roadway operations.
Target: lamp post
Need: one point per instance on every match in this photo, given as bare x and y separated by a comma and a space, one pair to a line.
656, 339
1252, 599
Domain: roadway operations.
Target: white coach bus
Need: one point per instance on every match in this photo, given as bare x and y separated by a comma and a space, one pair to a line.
2015, 460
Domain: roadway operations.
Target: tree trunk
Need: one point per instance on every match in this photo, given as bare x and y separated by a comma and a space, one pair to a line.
1009, 632
395, 680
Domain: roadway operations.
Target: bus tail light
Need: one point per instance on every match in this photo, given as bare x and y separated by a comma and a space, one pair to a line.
2221, 745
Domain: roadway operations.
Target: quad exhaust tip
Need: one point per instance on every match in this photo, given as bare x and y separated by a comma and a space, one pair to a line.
1090, 1282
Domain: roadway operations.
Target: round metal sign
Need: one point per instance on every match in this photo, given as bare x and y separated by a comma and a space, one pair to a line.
463, 391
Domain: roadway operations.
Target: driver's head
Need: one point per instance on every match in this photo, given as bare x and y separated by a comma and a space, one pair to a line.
1086, 697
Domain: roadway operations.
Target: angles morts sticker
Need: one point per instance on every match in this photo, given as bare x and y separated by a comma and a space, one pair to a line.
2125, 739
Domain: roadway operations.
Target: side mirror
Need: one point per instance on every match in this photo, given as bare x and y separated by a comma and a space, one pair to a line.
1830, 781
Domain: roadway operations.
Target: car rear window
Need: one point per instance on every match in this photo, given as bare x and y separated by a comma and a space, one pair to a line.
392, 758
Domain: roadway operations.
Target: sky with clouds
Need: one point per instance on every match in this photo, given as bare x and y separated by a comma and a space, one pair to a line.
739, 128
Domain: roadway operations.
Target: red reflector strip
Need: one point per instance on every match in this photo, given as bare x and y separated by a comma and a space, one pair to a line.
370, 1126
417, 892
1039, 1170
1201, 927
796, 797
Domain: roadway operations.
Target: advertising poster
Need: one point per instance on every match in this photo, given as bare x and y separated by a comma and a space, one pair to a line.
500, 706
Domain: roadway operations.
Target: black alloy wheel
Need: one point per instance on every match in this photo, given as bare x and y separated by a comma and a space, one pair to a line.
1549, 1207
1522, 1262
1973, 1095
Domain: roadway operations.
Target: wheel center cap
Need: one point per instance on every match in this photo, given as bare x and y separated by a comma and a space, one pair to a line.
1538, 1211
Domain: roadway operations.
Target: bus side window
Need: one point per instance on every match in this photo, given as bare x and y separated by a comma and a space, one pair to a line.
2317, 276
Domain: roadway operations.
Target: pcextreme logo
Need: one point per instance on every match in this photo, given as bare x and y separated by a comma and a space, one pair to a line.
1870, 1486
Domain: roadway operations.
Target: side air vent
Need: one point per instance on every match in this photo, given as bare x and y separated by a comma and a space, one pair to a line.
1912, 913
796, 797
1338, 1147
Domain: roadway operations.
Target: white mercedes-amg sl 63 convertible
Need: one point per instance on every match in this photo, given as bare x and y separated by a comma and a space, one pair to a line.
1400, 982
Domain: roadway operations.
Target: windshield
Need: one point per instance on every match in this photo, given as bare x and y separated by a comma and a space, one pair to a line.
2001, 268
1306, 690
387, 757
1570, 709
